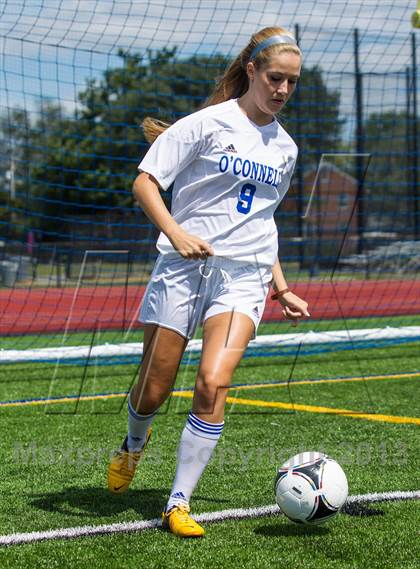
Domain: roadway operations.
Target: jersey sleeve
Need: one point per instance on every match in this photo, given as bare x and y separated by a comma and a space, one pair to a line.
173, 150
288, 171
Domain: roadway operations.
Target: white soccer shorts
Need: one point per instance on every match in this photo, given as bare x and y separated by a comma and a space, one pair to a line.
183, 293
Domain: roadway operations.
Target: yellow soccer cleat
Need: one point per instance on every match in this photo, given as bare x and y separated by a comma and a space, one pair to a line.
123, 466
180, 523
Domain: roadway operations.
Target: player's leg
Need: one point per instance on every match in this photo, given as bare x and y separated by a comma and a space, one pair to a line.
225, 338
163, 350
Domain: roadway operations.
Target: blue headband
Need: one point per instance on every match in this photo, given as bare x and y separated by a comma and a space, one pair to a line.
272, 40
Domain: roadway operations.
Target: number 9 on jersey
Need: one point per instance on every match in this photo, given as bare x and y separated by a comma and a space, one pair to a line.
245, 198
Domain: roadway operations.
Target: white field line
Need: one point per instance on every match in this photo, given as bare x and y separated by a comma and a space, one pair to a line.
127, 527
269, 340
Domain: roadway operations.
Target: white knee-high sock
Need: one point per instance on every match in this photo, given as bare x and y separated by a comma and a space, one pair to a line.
198, 440
137, 428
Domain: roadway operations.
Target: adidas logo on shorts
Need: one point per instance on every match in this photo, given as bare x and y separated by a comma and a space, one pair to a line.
230, 148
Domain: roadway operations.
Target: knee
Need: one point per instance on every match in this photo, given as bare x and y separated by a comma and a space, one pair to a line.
210, 385
149, 402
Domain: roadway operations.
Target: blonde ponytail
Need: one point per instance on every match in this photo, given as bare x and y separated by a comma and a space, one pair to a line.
234, 82
152, 128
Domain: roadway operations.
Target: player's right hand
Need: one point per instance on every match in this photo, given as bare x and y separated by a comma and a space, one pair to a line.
190, 246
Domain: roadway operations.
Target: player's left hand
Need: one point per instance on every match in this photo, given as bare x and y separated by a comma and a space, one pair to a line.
294, 308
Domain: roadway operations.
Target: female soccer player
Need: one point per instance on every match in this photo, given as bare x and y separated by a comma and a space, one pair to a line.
230, 164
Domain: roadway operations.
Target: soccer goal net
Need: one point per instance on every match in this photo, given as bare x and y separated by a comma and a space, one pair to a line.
76, 252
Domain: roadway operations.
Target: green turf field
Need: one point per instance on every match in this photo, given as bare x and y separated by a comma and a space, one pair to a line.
55, 458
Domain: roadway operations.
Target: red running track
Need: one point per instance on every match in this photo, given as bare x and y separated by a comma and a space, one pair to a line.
49, 310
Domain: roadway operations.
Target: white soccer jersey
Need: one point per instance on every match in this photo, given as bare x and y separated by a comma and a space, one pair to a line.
229, 176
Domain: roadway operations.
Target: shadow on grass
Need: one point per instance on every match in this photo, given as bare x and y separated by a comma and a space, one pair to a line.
284, 529
362, 510
79, 502
281, 529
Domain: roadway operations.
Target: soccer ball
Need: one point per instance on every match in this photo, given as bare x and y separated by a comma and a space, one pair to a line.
310, 488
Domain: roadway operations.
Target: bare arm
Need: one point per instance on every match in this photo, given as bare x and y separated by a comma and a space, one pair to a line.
147, 194
279, 282
294, 307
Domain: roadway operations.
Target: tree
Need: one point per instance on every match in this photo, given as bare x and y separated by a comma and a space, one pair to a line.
317, 109
85, 164
113, 109
15, 152
388, 138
